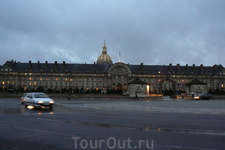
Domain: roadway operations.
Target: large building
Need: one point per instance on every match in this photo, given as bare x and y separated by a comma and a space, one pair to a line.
104, 75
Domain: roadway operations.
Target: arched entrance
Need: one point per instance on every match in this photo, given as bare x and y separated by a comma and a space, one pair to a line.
119, 74
168, 87
119, 86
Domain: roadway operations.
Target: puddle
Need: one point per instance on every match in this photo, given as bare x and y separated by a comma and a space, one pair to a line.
30, 110
155, 129
10, 110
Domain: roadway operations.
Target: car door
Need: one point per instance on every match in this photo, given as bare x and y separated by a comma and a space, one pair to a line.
25, 97
29, 99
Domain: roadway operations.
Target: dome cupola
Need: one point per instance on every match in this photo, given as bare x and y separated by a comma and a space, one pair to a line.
104, 58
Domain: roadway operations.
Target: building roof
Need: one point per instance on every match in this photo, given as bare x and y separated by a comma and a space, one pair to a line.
137, 81
104, 68
177, 69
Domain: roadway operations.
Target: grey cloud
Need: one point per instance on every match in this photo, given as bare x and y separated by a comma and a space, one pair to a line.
152, 32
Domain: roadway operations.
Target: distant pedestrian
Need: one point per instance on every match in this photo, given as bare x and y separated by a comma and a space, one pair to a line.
192, 94
136, 97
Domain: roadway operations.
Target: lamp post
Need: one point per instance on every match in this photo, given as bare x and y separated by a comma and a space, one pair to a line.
69, 85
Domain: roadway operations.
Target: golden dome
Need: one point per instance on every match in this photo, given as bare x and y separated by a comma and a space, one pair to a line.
104, 58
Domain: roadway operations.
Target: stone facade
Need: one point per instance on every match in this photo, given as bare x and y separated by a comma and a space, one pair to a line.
104, 76
109, 76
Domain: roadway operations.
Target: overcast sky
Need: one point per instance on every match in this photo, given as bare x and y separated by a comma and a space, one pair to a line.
153, 32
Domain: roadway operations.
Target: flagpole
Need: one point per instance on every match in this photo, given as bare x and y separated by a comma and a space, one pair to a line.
119, 56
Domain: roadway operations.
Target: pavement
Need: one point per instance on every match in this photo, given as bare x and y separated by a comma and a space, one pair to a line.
213, 107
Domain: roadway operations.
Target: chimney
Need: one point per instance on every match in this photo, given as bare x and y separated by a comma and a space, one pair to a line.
30, 64
64, 65
193, 68
56, 65
186, 67
46, 64
39, 64
178, 67
170, 67
201, 67
141, 67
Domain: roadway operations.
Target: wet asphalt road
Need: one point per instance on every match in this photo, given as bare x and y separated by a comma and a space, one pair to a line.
70, 125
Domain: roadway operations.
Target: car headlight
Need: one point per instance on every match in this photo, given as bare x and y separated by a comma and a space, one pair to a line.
40, 102
51, 102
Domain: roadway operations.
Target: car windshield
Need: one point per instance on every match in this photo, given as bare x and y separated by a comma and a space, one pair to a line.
40, 95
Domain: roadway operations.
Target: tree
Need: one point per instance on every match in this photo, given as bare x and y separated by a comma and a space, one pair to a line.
108, 91
50, 90
210, 91
82, 90
77, 90
63, 90
99, 91
88, 91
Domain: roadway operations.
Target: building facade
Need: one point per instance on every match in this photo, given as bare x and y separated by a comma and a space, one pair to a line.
104, 75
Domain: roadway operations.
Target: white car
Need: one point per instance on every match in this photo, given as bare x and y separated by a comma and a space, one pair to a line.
23, 98
37, 100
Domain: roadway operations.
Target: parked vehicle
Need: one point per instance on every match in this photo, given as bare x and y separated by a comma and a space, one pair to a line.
203, 97
37, 100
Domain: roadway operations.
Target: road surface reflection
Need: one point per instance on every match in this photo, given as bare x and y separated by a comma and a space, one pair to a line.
31, 110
